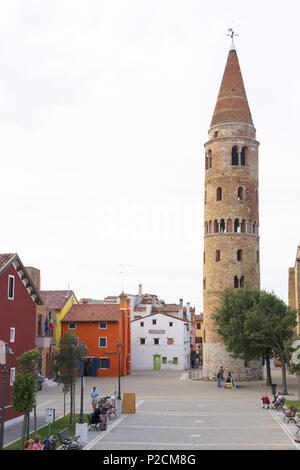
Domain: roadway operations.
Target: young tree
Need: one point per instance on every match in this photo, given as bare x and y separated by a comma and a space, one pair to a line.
230, 319
270, 324
25, 388
66, 365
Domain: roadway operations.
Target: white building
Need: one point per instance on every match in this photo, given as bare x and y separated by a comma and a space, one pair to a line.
161, 342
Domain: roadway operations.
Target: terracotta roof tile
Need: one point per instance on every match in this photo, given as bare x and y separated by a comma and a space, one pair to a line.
5, 258
93, 313
56, 299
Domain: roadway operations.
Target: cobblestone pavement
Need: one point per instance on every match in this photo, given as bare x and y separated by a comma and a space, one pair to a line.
174, 413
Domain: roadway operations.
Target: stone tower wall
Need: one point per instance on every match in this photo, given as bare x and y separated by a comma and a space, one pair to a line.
222, 239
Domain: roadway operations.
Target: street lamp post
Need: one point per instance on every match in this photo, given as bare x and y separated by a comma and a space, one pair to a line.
83, 350
5, 359
119, 349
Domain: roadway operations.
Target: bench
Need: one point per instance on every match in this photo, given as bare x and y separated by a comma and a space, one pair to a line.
291, 414
66, 438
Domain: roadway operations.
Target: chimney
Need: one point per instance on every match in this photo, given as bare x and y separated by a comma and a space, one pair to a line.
180, 308
188, 311
35, 276
140, 289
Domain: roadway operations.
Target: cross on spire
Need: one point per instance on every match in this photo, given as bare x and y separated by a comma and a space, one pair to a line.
231, 34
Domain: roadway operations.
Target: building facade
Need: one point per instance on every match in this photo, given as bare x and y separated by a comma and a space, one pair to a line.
18, 301
102, 327
199, 335
231, 227
294, 288
160, 342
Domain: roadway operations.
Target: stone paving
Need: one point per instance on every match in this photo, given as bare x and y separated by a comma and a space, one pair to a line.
174, 413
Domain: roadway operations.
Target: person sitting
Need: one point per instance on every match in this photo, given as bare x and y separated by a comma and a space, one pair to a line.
228, 378
28, 445
278, 401
102, 416
96, 415
37, 444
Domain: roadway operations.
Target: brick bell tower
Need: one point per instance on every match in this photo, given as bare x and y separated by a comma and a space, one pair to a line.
231, 221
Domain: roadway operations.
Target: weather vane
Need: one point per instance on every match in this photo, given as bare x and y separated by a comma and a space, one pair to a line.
231, 34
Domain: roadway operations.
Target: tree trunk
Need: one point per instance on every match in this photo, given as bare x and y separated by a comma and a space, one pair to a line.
28, 424
71, 403
24, 426
283, 371
269, 377
35, 426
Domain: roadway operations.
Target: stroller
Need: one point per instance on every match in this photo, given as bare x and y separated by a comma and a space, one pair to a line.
50, 443
266, 402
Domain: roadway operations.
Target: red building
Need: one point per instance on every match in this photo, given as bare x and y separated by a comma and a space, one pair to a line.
18, 301
101, 327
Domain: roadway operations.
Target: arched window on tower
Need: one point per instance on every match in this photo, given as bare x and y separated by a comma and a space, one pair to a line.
234, 156
236, 282
243, 226
222, 225
209, 159
242, 281
257, 256
244, 154
206, 162
240, 193
239, 255
219, 194
218, 255
229, 226
236, 225
216, 226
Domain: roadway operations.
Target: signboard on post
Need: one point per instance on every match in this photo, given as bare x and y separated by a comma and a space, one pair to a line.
50, 415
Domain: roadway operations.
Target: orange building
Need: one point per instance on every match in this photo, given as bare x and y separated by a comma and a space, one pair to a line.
102, 327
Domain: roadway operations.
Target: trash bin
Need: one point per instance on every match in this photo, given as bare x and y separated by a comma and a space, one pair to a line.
273, 389
40, 381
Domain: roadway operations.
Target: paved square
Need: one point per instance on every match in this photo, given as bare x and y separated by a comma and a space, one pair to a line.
198, 424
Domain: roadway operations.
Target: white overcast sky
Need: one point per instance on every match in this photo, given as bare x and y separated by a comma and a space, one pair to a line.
104, 109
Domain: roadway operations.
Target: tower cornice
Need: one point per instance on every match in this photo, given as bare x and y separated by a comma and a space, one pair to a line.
231, 124
232, 137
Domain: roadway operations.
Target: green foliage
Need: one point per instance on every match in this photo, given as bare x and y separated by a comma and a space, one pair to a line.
24, 392
270, 323
66, 361
230, 319
25, 384
252, 322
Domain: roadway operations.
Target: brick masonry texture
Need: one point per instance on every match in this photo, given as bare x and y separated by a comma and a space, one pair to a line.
229, 250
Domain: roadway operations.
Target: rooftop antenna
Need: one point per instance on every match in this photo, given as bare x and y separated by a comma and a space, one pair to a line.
123, 266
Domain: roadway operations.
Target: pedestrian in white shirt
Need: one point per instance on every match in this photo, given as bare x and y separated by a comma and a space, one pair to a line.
94, 393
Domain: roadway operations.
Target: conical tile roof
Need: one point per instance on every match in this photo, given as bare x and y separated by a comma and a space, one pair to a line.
232, 104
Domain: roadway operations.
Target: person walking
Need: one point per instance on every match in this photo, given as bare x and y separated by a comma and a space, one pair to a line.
219, 376
94, 393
